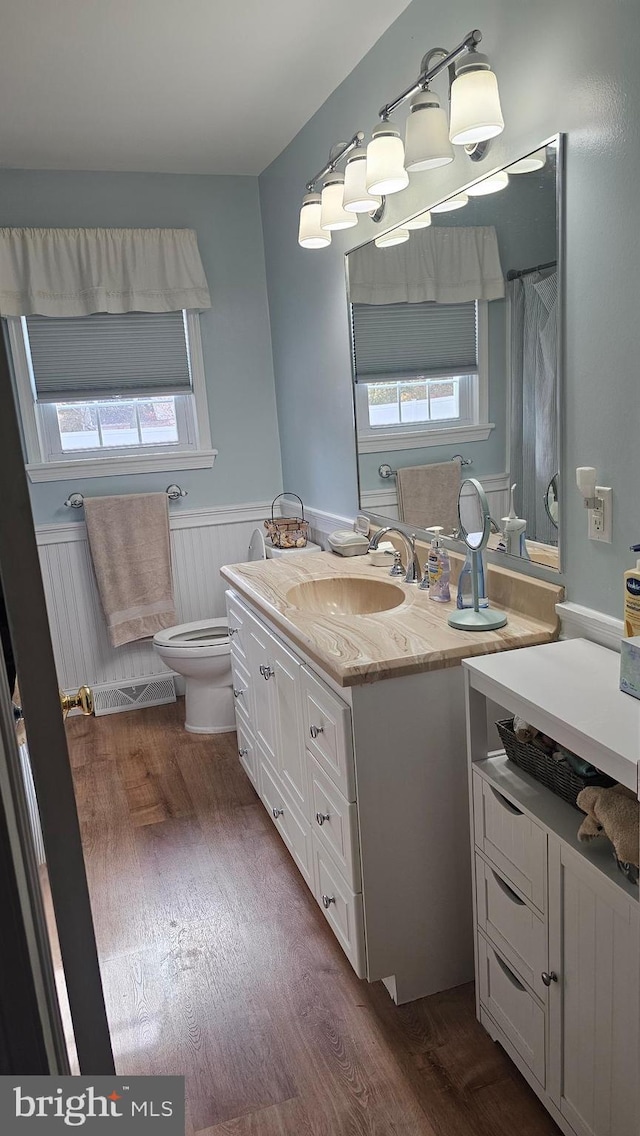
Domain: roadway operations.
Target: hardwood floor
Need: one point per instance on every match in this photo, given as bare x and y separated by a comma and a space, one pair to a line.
218, 964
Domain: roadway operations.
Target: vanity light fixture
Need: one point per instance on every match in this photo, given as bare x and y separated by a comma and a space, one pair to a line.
422, 221
492, 184
357, 198
475, 117
310, 235
333, 216
395, 237
530, 164
456, 202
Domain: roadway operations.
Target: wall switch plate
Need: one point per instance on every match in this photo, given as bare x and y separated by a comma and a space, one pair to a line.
600, 519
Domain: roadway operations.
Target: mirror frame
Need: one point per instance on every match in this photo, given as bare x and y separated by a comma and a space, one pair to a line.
530, 567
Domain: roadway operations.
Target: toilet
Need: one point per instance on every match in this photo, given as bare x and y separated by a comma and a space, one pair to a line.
200, 653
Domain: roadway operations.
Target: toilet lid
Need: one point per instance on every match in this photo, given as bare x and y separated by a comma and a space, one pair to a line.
193, 635
257, 547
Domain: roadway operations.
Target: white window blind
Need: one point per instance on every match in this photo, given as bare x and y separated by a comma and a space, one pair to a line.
392, 341
104, 355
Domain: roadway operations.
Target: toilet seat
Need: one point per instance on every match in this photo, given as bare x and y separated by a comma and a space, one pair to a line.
204, 637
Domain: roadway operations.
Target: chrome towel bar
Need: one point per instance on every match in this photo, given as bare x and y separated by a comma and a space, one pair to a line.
173, 492
385, 471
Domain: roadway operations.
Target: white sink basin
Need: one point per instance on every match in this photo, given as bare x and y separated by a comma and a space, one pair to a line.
345, 595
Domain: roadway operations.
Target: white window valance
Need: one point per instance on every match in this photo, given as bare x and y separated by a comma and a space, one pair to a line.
76, 272
446, 264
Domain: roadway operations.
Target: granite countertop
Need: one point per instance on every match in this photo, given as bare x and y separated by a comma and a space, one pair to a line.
414, 637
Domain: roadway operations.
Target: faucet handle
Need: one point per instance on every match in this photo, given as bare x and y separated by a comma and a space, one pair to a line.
396, 568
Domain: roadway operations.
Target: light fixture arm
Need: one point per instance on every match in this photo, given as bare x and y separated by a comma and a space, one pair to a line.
336, 155
427, 73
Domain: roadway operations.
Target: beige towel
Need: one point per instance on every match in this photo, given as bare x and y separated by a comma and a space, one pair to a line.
428, 495
129, 542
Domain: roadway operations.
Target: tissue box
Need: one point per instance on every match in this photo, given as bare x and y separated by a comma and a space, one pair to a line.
630, 666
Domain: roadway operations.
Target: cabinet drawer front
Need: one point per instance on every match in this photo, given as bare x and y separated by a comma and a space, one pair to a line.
237, 617
513, 842
513, 1007
242, 694
293, 828
512, 925
335, 823
292, 761
247, 752
341, 907
327, 726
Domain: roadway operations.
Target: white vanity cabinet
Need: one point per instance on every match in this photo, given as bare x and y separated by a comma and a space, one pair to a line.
557, 926
367, 786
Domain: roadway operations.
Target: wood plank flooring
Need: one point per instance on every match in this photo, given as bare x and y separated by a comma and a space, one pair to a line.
218, 964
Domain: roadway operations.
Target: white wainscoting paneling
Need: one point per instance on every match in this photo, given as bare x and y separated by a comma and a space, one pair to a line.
578, 622
201, 542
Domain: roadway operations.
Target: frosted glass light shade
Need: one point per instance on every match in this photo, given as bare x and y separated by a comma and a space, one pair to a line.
451, 203
385, 161
422, 221
530, 163
475, 107
426, 143
333, 216
357, 198
310, 235
491, 184
395, 237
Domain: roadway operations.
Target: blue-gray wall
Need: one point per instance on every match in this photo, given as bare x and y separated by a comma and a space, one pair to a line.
236, 341
568, 66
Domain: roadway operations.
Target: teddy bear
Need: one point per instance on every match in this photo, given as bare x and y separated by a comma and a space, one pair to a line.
615, 813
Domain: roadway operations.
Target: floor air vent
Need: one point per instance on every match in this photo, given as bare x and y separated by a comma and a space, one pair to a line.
112, 698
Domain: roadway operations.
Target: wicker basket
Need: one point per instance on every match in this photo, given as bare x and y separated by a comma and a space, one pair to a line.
287, 532
556, 775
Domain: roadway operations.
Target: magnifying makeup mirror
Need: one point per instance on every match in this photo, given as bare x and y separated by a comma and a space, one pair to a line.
475, 527
551, 500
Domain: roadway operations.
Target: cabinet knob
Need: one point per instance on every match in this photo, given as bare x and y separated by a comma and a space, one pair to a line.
237, 692
267, 672
277, 812
233, 631
327, 900
548, 977
243, 753
321, 817
315, 730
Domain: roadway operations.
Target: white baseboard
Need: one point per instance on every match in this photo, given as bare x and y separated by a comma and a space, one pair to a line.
578, 622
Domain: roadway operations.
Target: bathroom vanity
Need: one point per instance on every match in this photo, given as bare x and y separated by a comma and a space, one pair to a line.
556, 925
349, 700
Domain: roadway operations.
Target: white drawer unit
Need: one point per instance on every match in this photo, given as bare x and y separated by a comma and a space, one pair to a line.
327, 725
293, 828
341, 906
511, 923
247, 752
511, 840
237, 616
513, 1007
335, 823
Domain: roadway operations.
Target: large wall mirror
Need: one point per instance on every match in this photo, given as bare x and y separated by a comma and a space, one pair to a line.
455, 319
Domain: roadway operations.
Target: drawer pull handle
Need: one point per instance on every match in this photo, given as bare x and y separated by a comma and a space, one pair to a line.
277, 812
321, 817
267, 672
237, 692
233, 631
327, 900
548, 976
505, 803
509, 973
243, 753
315, 730
509, 892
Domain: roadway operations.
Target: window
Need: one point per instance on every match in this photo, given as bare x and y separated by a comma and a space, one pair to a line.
105, 394
420, 374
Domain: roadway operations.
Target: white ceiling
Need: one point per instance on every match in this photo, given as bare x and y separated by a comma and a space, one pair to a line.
184, 86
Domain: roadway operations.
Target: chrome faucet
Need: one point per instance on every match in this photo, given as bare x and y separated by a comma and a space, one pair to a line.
413, 575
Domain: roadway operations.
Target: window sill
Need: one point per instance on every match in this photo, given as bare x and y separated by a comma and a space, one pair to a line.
110, 467
389, 440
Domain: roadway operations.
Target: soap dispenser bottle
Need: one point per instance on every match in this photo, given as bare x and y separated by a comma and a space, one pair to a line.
438, 568
514, 532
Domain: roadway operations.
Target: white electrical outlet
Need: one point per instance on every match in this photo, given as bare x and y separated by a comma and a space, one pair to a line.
600, 519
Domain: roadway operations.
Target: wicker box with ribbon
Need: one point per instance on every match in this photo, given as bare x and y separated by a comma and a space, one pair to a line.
287, 532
